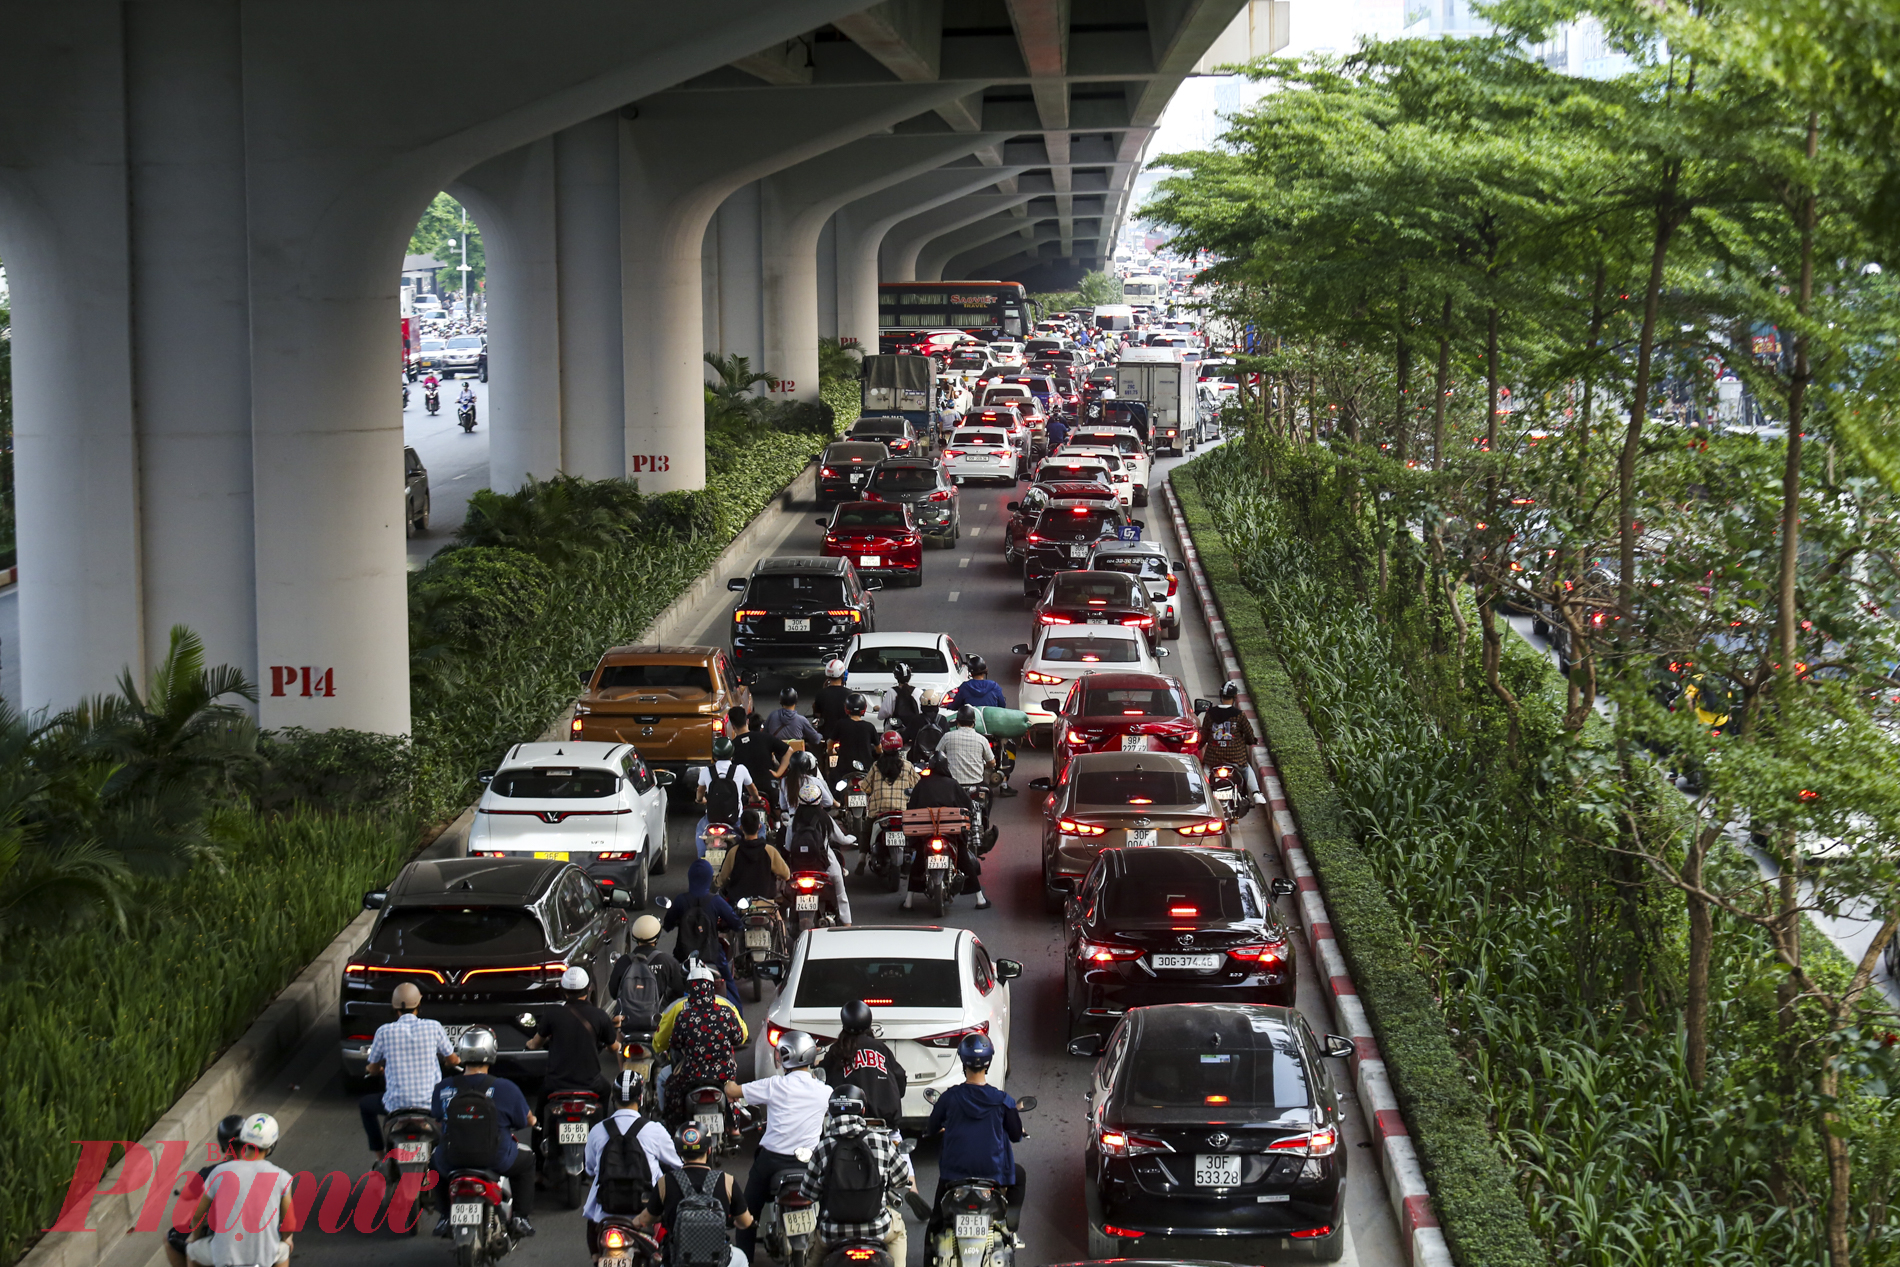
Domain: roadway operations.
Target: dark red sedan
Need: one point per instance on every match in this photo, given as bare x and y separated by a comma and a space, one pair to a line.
1124, 712
880, 539
1097, 598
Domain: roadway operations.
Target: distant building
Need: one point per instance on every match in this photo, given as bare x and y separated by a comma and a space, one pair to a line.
418, 273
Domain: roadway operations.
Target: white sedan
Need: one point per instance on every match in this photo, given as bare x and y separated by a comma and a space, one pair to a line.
1006, 352
1063, 653
1120, 474
928, 989
935, 664
594, 804
980, 453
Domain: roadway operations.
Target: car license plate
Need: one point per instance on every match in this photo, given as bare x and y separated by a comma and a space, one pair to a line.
1076, 552
758, 938
573, 1132
717, 857
454, 1031
1197, 962
801, 1222
1134, 743
857, 477
807, 902
856, 800
798, 624
558, 857
893, 840
1096, 620
970, 1226
937, 862
870, 560
711, 1125
465, 1214
1138, 836
407, 1154
1214, 1171
982, 457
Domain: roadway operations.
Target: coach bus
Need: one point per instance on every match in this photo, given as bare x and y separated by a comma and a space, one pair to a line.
1001, 309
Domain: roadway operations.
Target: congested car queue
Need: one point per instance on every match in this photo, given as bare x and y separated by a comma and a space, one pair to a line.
845, 781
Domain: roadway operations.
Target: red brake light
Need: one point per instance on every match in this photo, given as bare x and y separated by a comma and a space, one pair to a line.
614, 1238
1184, 912
1050, 618
1069, 827
1138, 622
575, 726
1034, 537
1267, 953
1216, 1099
1320, 1143
1130, 1144
955, 1036
1098, 952
1129, 1232
1173, 583
807, 882
1041, 679
826, 472
952, 453
1207, 827
1309, 1233
942, 495
746, 613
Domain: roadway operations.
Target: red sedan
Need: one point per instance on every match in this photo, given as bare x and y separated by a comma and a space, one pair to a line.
1125, 712
880, 539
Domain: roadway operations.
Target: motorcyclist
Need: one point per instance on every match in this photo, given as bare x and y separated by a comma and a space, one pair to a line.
937, 790
900, 708
865, 1061
725, 788
856, 739
695, 1148
978, 1124
811, 839
669, 976
923, 749
888, 786
410, 1053
1058, 432
965, 755
801, 773
651, 1135
978, 689
786, 723
753, 868
466, 401
227, 1134
828, 705
795, 1119
700, 1036
699, 938
1227, 738
245, 1191
858, 1214
477, 1050
574, 1035
764, 758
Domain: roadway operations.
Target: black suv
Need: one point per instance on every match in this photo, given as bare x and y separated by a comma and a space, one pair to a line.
1061, 538
799, 612
845, 467
894, 431
920, 484
485, 940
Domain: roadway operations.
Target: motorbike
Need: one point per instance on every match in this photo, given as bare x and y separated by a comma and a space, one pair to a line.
983, 796
1230, 789
974, 1226
814, 903
432, 401
637, 1054
936, 833
465, 414
622, 1244
716, 1116
481, 1208
764, 953
570, 1115
410, 1138
790, 1217
852, 799
883, 856
405, 394
714, 840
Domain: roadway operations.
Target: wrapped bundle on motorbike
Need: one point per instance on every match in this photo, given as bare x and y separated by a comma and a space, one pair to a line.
1004, 723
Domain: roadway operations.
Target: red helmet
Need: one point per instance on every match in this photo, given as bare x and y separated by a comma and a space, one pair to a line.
891, 742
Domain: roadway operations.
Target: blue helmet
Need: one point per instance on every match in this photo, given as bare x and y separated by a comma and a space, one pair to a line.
976, 1051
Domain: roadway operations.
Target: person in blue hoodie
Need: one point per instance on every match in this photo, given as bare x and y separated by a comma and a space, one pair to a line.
978, 1123
699, 879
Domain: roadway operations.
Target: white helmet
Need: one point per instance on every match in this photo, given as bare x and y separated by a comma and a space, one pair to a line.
700, 972
834, 668
810, 793
574, 979
259, 1131
797, 1050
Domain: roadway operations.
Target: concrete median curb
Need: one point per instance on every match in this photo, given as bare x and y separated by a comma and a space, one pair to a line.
1405, 1183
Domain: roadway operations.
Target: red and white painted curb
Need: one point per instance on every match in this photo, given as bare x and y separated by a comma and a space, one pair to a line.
1404, 1176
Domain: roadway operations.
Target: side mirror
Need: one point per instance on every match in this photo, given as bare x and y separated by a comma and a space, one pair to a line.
1008, 970
1040, 785
1141, 524
1052, 705
586, 676
1086, 1045
822, 522
620, 897
484, 777
661, 903
1177, 566
1282, 888
1026, 1105
873, 582
748, 677
526, 1022
1021, 648
665, 778
909, 1145
736, 584
1201, 705
1339, 1048
375, 899
1162, 653
1012, 505
932, 1095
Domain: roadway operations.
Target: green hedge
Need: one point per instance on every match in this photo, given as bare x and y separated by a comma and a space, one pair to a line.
1472, 1186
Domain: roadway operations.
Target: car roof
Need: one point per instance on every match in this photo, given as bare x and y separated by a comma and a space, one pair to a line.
909, 463
901, 638
1218, 860
1247, 1026
849, 447
475, 881
798, 563
860, 941
659, 653
574, 752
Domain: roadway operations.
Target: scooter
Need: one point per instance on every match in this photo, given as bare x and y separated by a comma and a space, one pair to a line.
481, 1209
1230, 789
974, 1225
790, 1217
883, 857
405, 394
715, 839
814, 903
410, 1138
935, 833
465, 414
432, 401
852, 800
570, 1114
637, 1054
764, 953
716, 1116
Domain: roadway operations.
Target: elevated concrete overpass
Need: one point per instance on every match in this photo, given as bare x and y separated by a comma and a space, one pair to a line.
202, 197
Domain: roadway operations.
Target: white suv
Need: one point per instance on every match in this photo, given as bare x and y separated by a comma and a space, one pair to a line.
593, 804
980, 453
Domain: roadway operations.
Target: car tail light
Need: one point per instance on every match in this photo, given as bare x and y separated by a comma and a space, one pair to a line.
831, 538
941, 495
1130, 1144
1138, 622
951, 1038
1085, 736
826, 472
952, 453
1033, 537
361, 972
1320, 1143
1128, 1233
1268, 954
574, 726
1041, 679
748, 613
1206, 827
1174, 583
1098, 952
851, 612
772, 1034
1069, 827
1050, 618
1311, 1232
719, 724
615, 856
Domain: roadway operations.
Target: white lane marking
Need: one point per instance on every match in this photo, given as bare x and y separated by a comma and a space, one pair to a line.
953, 595
983, 506
964, 562
976, 532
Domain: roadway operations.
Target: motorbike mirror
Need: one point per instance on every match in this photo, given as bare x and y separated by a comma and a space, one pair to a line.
665, 778
1052, 705
620, 897
1201, 705
1012, 505
909, 1145
526, 1021
662, 902
374, 899
736, 583
742, 903
932, 1094
1008, 970
1026, 1105
484, 777
1339, 1048
1162, 653
586, 676
838, 786
1021, 648
873, 582
1086, 1045
1283, 888
1039, 785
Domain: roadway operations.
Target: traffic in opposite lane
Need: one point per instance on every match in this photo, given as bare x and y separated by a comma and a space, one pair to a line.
1117, 947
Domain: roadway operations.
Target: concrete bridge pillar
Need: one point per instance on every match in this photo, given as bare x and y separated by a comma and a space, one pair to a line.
587, 225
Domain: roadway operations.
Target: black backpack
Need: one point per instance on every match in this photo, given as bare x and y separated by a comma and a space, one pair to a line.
698, 935
722, 795
904, 707
473, 1130
854, 1182
810, 837
697, 1236
626, 1176
641, 997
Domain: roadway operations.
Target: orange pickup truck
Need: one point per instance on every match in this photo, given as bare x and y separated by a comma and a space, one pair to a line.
669, 702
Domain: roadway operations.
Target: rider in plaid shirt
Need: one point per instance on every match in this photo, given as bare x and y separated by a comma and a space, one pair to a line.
847, 1120
887, 790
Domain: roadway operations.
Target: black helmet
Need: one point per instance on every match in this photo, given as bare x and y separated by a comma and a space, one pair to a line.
804, 763
228, 1129
901, 672
855, 1017
977, 664
788, 698
1230, 691
854, 704
629, 1087
966, 716
848, 1099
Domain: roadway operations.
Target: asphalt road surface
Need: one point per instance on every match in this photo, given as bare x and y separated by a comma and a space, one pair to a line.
972, 592
457, 461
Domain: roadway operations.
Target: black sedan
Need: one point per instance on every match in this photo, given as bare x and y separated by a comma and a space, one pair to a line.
485, 940
1174, 924
798, 612
1214, 1127
920, 484
1098, 598
1061, 537
893, 431
845, 467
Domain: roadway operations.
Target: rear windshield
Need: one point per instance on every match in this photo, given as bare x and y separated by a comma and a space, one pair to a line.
1107, 440
1097, 472
978, 437
424, 931
1062, 523
1168, 785
879, 427
1128, 701
1227, 1079
555, 784
1079, 650
432, 345
904, 479
870, 517
1173, 891
886, 660
620, 677
1091, 587
793, 588
855, 453
465, 341
1132, 564
832, 983
969, 361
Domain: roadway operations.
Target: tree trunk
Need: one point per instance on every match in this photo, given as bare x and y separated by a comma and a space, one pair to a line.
1667, 218
1491, 380
1441, 384
1701, 940
1785, 615
1493, 658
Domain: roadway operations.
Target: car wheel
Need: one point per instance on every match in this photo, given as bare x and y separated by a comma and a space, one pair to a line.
1101, 1244
409, 525
1173, 633
660, 855
1333, 1248
1141, 496
642, 888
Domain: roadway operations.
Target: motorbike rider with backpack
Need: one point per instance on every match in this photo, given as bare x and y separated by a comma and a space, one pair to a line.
900, 707
828, 705
1227, 738
978, 1124
700, 916
937, 790
574, 1035
795, 1118
722, 789
624, 1154
697, 1207
763, 757
860, 1059
809, 840
645, 980
753, 868
857, 1177
479, 1115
